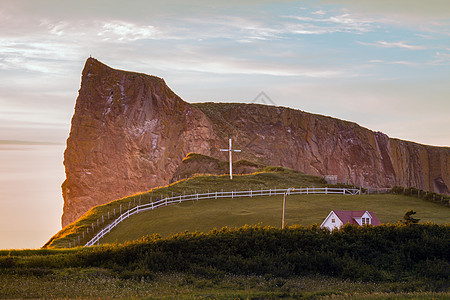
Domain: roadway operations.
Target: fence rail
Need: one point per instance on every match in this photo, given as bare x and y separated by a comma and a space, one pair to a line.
215, 195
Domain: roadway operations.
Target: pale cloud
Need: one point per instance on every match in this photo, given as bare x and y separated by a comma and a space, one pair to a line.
442, 58
395, 62
408, 9
317, 24
400, 44
124, 31
319, 12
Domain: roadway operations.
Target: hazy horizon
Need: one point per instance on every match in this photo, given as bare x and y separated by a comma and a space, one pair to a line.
30, 195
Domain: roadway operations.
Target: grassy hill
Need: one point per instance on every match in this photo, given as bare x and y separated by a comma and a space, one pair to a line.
99, 216
205, 215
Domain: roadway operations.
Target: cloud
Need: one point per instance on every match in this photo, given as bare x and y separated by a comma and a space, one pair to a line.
442, 58
408, 9
400, 44
124, 31
317, 23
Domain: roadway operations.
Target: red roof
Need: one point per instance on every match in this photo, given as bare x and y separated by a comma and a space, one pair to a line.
348, 216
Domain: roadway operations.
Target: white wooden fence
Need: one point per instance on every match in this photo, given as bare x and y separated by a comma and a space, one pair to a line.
214, 195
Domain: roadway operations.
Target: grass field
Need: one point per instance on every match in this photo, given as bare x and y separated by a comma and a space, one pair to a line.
270, 177
205, 215
100, 283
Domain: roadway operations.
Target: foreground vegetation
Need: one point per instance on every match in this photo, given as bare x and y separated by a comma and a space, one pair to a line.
100, 283
248, 262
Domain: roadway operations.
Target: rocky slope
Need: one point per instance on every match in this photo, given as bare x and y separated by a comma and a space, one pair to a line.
130, 133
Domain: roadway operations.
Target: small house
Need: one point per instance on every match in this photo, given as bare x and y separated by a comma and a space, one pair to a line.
331, 179
337, 218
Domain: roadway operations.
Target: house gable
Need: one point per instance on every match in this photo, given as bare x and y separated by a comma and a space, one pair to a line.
332, 221
356, 217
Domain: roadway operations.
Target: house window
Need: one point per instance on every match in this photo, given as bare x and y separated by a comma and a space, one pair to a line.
365, 221
333, 220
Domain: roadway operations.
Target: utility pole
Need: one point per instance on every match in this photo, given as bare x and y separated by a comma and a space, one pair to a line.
230, 151
288, 191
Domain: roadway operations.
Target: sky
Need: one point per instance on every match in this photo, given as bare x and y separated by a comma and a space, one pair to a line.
382, 64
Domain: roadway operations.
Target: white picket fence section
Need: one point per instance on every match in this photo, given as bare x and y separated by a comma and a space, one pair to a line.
215, 195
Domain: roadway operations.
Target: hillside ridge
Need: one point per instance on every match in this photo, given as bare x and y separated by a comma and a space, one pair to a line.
130, 132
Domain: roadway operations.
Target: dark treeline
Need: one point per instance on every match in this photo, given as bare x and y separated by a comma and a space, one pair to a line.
441, 199
382, 253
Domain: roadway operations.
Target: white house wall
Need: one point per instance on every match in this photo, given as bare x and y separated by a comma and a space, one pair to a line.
329, 224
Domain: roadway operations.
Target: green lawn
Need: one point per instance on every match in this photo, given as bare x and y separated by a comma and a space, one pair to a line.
204, 215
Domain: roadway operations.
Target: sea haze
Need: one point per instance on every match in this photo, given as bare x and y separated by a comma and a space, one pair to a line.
30, 194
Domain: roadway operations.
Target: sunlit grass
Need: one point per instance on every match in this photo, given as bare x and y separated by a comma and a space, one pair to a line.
99, 216
204, 215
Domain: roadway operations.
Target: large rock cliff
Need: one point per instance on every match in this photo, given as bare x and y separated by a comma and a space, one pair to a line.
130, 133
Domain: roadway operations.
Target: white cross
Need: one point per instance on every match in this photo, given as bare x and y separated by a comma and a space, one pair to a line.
230, 151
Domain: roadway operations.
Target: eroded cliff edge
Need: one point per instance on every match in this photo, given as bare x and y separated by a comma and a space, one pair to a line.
130, 132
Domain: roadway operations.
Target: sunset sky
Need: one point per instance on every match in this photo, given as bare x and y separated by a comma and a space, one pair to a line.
382, 64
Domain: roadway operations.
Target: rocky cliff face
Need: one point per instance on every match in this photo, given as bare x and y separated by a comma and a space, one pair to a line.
130, 133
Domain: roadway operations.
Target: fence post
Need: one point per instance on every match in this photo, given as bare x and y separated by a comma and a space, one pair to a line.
326, 190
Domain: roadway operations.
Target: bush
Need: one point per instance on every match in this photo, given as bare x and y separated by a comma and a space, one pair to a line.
428, 196
359, 253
